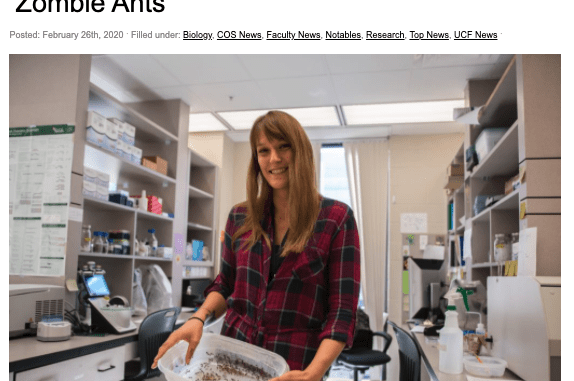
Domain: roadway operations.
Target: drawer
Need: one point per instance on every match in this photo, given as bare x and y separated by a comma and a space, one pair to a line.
106, 365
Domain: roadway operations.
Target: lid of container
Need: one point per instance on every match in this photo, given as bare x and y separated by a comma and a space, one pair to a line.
499, 235
87, 226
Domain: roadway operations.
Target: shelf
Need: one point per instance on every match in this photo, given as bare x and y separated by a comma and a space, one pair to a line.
197, 263
153, 216
108, 106
101, 255
107, 205
502, 160
500, 109
112, 206
509, 202
100, 158
156, 259
485, 265
192, 225
198, 193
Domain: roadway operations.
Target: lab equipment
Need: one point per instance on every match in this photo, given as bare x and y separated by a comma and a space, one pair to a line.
54, 331
489, 367
106, 315
120, 241
223, 357
475, 304
524, 321
86, 243
152, 243
98, 242
450, 342
502, 250
28, 303
157, 288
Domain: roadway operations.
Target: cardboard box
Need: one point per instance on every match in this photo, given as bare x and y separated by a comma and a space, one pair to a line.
455, 170
453, 182
160, 164
149, 164
512, 184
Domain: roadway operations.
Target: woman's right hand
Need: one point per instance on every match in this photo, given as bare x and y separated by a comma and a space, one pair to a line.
191, 332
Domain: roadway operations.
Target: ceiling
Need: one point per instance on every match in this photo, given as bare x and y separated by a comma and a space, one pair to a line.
212, 83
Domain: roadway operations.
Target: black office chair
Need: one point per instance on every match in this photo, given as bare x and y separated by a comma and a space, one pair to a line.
361, 356
409, 355
153, 331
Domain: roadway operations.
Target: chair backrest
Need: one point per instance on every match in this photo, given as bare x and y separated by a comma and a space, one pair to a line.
409, 355
363, 337
154, 330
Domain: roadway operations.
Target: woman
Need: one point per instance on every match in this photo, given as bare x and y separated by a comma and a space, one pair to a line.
290, 260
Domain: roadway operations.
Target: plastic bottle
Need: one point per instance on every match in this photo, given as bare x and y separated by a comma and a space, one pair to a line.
98, 242
152, 243
86, 243
480, 329
450, 342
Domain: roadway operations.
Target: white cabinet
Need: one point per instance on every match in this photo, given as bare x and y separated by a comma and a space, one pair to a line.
107, 365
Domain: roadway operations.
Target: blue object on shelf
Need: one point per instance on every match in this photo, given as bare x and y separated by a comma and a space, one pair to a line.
197, 250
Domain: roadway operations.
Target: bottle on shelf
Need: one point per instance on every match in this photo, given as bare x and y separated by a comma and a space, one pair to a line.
143, 201
98, 242
450, 341
502, 251
86, 244
110, 246
152, 243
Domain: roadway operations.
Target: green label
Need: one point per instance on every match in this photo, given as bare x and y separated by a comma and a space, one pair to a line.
50, 129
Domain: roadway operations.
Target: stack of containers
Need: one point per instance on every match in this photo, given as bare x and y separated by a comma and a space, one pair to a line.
125, 141
96, 184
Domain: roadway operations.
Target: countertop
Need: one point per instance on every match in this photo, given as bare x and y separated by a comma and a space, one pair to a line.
430, 359
27, 352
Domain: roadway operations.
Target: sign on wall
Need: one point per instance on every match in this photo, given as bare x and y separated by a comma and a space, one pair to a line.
39, 180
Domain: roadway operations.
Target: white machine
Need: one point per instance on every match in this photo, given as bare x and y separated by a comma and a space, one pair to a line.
107, 315
524, 322
29, 303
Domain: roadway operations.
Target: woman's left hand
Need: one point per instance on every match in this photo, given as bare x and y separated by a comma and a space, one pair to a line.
296, 375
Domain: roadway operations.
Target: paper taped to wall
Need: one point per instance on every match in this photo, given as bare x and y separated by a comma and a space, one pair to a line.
413, 223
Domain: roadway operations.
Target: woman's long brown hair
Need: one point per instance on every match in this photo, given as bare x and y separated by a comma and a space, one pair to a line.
303, 195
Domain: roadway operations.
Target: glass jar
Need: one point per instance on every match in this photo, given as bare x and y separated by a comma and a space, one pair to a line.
502, 251
501, 248
86, 243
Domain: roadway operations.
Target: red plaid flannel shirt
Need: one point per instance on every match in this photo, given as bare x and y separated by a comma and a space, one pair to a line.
313, 295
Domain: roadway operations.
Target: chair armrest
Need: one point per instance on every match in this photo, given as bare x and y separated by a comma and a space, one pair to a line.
388, 338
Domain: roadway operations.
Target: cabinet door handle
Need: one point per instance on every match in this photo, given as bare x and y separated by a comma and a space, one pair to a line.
105, 370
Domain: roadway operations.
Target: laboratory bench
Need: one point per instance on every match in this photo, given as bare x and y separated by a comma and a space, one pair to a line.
100, 357
430, 359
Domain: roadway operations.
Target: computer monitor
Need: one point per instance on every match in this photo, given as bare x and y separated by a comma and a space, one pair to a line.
96, 285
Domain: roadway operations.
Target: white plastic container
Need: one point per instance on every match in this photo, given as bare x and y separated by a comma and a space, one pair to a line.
450, 344
487, 140
490, 367
223, 357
